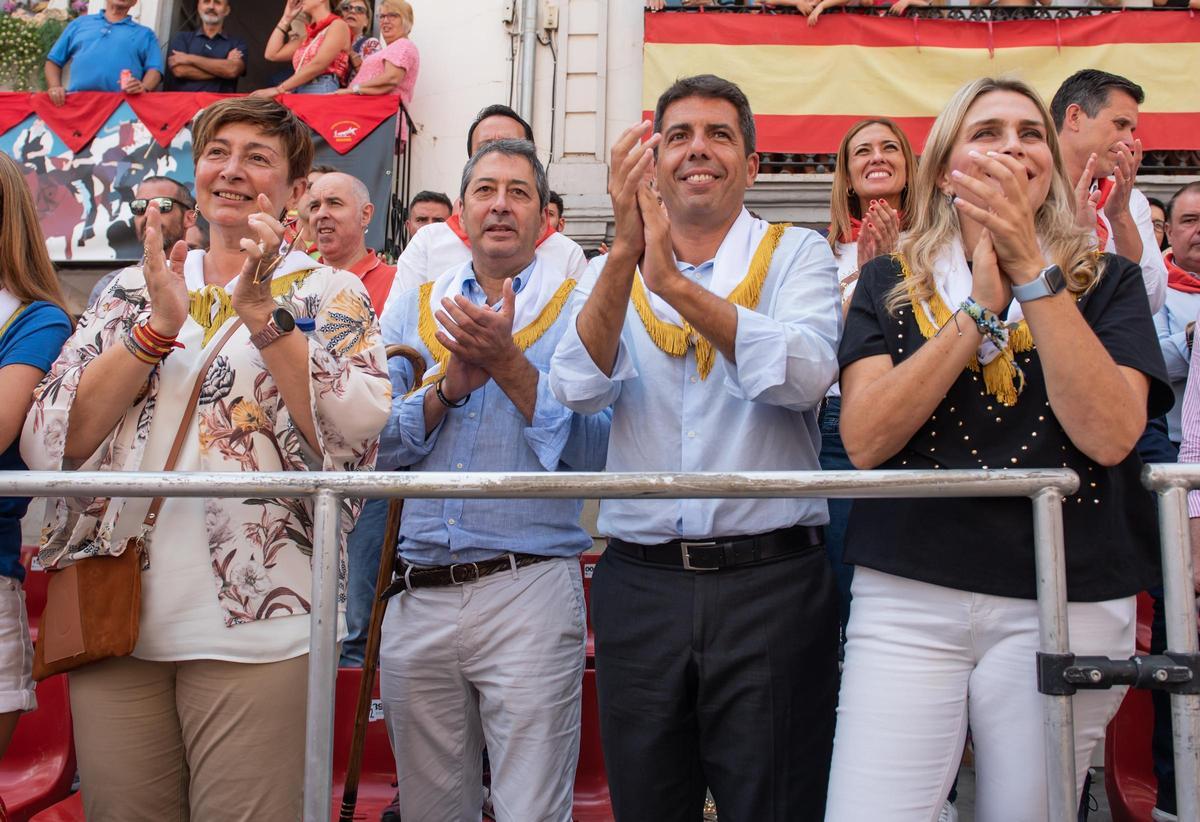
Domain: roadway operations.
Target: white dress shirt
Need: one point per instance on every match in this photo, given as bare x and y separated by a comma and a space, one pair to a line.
756, 415
1154, 270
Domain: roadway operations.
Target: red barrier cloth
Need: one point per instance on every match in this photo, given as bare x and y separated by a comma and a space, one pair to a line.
343, 122
164, 114
77, 121
14, 108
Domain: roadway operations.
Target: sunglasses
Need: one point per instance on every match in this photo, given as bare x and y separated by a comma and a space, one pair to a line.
165, 204
354, 9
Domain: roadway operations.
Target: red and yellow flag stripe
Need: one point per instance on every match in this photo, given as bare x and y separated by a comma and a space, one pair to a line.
808, 85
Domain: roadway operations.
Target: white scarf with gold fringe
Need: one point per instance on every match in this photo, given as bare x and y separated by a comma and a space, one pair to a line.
539, 302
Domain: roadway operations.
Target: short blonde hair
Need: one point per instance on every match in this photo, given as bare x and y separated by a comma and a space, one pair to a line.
402, 8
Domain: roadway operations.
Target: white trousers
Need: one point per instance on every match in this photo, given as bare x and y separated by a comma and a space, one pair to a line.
16, 651
498, 661
922, 663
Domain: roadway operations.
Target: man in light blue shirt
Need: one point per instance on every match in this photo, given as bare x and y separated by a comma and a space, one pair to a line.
99, 47
713, 335
484, 641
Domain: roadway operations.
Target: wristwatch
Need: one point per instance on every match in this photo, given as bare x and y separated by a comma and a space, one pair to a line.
1047, 283
281, 322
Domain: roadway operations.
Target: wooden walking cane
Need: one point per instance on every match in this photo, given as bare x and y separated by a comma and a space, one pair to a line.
387, 562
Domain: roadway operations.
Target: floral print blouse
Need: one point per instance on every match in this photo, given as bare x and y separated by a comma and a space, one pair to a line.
243, 425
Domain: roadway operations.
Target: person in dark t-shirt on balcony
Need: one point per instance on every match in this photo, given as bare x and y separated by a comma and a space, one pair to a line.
206, 59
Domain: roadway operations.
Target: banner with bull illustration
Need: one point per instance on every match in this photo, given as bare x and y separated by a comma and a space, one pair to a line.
809, 84
83, 162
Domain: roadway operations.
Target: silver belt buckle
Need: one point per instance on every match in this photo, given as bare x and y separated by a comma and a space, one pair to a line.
685, 547
472, 575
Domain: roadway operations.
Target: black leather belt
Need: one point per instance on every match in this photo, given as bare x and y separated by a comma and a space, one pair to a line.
724, 552
409, 577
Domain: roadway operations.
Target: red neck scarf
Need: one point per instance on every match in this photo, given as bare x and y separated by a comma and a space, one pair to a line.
311, 30
1106, 187
1179, 279
855, 230
455, 225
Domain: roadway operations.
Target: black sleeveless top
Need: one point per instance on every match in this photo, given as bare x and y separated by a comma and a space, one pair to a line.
986, 545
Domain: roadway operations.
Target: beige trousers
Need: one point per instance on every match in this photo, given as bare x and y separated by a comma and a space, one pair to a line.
195, 741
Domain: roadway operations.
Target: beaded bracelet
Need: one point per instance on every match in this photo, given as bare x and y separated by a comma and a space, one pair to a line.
988, 322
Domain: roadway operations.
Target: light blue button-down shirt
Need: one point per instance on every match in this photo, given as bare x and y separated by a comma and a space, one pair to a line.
487, 434
757, 415
1171, 321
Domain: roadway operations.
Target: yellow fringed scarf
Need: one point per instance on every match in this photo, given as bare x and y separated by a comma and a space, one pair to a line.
527, 336
999, 376
202, 300
674, 340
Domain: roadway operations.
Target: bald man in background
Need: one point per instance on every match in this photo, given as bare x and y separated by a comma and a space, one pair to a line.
339, 211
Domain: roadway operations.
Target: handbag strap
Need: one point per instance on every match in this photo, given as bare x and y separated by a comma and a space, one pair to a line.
186, 423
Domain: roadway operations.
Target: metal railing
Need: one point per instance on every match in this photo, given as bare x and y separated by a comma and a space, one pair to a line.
1171, 483
1046, 488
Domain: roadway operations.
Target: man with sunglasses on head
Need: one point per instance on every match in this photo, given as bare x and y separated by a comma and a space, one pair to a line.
178, 209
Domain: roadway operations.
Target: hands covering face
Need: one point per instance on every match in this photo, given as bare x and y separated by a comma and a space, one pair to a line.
994, 193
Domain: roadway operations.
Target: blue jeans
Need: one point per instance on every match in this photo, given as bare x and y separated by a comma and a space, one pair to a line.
363, 549
321, 84
833, 458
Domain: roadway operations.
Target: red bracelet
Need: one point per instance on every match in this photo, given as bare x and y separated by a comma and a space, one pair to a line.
157, 338
154, 344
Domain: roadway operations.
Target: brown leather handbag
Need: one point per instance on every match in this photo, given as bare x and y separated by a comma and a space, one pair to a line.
94, 605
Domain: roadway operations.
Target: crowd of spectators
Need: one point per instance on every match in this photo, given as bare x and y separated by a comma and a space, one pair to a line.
328, 43
814, 8
577, 393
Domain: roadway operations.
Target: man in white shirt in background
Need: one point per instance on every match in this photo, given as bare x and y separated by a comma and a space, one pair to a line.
437, 248
1096, 113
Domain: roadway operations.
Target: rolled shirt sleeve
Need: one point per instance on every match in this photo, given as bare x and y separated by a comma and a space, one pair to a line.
1154, 268
575, 379
788, 356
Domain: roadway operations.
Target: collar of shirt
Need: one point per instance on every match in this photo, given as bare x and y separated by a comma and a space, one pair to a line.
220, 35
365, 264
127, 19
473, 291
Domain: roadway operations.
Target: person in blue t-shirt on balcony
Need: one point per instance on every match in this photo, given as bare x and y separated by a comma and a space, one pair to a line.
100, 48
33, 327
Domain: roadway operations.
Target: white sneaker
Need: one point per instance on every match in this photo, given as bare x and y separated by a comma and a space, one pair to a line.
949, 812
1162, 816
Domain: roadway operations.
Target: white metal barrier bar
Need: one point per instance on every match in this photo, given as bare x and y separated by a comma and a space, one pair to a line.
1045, 487
1058, 729
562, 485
1171, 483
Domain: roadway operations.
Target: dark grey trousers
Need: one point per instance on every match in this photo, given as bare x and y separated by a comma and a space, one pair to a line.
724, 679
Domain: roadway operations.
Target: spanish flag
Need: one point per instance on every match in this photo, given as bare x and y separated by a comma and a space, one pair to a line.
808, 85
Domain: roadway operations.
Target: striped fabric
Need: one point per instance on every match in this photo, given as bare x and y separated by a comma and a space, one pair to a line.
808, 85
